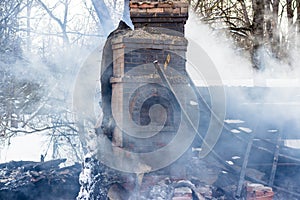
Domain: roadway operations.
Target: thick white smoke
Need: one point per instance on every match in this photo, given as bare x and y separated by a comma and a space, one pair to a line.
277, 105
234, 66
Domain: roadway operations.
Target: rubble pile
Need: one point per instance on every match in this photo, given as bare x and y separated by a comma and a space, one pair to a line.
26, 180
199, 179
203, 180
96, 180
178, 190
100, 182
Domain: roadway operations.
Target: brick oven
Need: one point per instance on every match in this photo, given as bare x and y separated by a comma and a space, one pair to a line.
145, 112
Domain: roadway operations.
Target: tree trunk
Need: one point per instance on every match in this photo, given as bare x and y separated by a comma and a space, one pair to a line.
290, 16
258, 32
275, 42
105, 19
298, 24
28, 31
269, 21
298, 17
290, 12
62, 24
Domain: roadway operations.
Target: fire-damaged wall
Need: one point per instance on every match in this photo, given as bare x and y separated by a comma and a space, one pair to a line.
139, 85
132, 91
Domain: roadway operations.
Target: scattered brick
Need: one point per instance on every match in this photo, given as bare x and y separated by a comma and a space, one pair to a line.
258, 191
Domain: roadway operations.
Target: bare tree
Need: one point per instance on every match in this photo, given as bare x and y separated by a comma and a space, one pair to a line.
37, 70
298, 16
10, 49
61, 22
254, 24
28, 24
10, 52
104, 16
29, 101
258, 32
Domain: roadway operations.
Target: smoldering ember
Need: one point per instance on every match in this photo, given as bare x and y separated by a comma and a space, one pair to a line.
163, 137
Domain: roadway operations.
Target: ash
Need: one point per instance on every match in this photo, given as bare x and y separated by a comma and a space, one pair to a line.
96, 179
100, 182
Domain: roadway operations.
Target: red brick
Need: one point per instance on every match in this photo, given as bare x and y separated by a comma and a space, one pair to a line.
134, 10
168, 10
155, 10
165, 5
180, 4
139, 10
145, 6
176, 10
134, 5
255, 191
183, 10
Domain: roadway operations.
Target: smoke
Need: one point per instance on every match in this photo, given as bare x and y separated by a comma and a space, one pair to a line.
272, 107
231, 65
234, 65
262, 102
47, 104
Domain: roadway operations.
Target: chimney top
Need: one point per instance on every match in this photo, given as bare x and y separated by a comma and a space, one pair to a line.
159, 13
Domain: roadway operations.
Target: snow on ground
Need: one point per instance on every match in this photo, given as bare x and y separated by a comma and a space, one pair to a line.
292, 143
233, 121
27, 147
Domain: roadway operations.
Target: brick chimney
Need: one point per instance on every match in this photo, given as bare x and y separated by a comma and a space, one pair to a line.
159, 13
136, 86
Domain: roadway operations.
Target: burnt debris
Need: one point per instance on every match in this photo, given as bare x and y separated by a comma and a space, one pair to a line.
28, 180
244, 155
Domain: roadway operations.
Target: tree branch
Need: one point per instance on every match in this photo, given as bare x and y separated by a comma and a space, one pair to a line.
104, 16
50, 13
60, 23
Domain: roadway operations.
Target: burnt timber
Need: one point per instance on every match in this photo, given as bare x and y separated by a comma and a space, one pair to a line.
28, 180
267, 124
